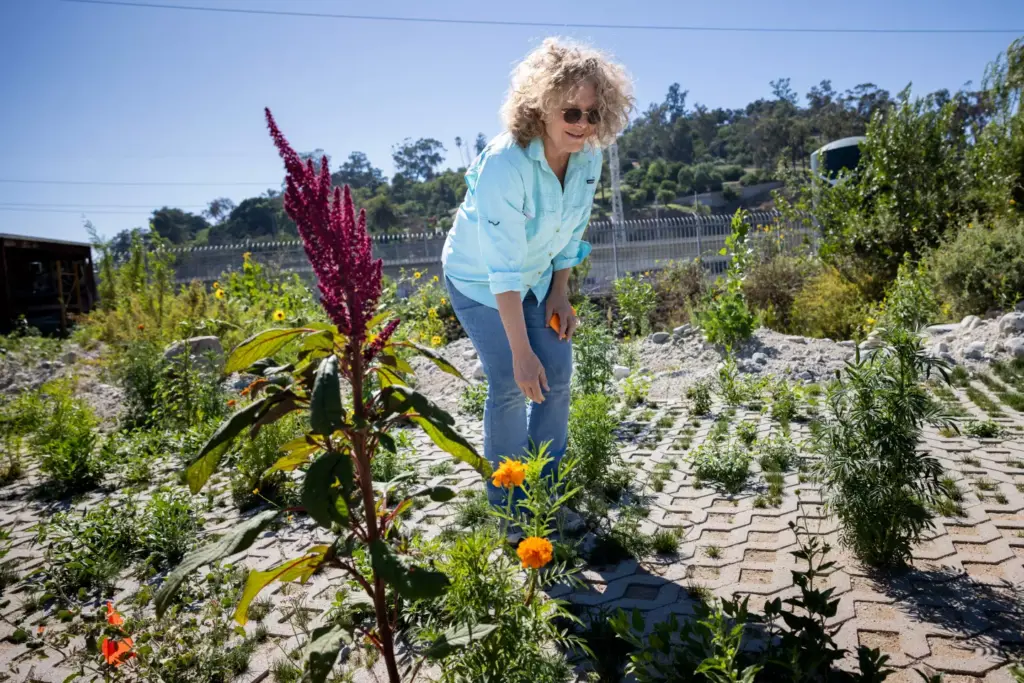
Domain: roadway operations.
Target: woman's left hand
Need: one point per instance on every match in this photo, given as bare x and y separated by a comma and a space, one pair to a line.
558, 303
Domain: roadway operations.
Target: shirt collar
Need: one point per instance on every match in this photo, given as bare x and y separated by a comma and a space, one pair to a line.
535, 150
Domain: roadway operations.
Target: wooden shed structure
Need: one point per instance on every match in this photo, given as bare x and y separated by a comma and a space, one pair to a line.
45, 280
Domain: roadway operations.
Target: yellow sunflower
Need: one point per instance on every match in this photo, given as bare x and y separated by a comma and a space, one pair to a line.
219, 294
279, 315
417, 275
435, 340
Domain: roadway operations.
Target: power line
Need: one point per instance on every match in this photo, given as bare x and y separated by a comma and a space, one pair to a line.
541, 24
79, 211
137, 183
93, 206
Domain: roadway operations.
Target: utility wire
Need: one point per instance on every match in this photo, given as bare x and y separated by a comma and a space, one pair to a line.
32, 205
136, 183
540, 24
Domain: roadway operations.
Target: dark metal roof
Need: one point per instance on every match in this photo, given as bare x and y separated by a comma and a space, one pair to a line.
4, 237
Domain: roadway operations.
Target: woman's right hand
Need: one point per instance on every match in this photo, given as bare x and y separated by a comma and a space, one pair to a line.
530, 376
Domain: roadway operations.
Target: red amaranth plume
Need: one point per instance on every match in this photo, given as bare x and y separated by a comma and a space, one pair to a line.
336, 242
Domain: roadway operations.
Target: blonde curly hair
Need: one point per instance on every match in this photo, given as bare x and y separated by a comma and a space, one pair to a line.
550, 75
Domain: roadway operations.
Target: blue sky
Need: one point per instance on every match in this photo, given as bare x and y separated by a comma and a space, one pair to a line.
120, 94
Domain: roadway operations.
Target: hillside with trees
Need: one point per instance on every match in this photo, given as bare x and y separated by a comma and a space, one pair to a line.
670, 151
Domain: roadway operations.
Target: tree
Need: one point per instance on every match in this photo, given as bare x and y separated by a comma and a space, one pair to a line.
357, 172
418, 160
177, 226
317, 155
254, 217
219, 209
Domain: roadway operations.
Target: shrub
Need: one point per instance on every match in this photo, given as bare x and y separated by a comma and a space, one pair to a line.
636, 299
679, 286
746, 432
909, 302
981, 266
67, 443
877, 482
172, 525
828, 306
592, 444
138, 370
724, 315
783, 401
730, 193
983, 429
635, 389
425, 309
700, 395
88, 551
711, 645
772, 285
775, 454
252, 483
724, 463
487, 594
473, 398
593, 350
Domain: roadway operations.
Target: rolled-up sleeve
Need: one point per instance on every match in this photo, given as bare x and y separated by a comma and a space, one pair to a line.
500, 196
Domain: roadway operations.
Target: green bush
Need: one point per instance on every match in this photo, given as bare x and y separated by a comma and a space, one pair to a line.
139, 369
593, 351
592, 443
636, 299
635, 389
878, 484
981, 267
251, 484
473, 398
720, 462
67, 441
679, 286
828, 306
730, 193
486, 587
723, 314
172, 526
776, 454
910, 301
796, 641
772, 285
700, 395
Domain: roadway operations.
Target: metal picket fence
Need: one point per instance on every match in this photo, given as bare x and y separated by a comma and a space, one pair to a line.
635, 246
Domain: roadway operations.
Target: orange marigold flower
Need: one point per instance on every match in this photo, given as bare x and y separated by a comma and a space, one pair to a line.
535, 552
141, 327
113, 618
510, 474
232, 403
116, 651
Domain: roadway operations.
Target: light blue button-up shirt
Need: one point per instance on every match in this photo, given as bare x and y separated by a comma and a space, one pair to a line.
517, 225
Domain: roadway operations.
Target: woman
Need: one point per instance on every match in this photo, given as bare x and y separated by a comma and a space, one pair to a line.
518, 233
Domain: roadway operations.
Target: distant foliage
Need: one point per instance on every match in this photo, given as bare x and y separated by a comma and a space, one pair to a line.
636, 299
829, 306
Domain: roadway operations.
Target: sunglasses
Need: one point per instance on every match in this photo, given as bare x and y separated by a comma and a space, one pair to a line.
574, 114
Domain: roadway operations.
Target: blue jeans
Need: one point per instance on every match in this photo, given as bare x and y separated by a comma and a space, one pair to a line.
509, 426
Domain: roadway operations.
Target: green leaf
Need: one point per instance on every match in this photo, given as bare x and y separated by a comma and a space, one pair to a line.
325, 404
326, 487
401, 399
260, 346
293, 570
273, 414
297, 454
239, 539
411, 582
450, 440
204, 464
322, 651
433, 357
397, 363
323, 339
438, 494
458, 637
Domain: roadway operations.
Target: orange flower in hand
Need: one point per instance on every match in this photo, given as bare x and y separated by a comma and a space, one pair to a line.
113, 618
116, 651
535, 552
510, 474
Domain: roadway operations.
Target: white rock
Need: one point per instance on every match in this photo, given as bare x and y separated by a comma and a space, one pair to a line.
620, 371
797, 340
660, 337
941, 329
204, 349
1020, 306
849, 344
759, 358
940, 347
970, 322
1011, 323
469, 354
478, 371
806, 376
681, 330
1016, 347
975, 350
